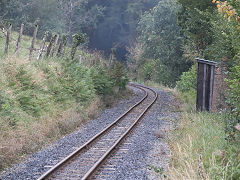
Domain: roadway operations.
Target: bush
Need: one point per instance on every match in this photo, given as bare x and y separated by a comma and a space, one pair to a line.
103, 83
233, 99
164, 75
119, 75
188, 80
33, 89
146, 71
51, 97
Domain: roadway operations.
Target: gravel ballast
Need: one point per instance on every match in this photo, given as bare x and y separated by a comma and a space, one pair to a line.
146, 147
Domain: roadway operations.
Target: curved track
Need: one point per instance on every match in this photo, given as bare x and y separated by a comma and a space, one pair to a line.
83, 162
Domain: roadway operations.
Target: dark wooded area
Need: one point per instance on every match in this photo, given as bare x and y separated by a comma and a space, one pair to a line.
108, 23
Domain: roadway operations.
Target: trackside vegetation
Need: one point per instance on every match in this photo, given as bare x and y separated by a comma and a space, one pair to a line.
42, 100
171, 35
158, 41
202, 148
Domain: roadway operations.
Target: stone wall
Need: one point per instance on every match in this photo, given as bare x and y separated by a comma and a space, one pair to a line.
219, 89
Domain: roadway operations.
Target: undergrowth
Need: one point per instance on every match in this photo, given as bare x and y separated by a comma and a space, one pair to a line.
40, 101
200, 145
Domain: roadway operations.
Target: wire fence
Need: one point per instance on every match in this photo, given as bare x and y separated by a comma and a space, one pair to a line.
55, 47
35, 49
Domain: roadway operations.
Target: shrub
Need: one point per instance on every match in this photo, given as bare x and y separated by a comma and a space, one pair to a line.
119, 75
103, 83
188, 80
233, 99
146, 71
164, 74
51, 97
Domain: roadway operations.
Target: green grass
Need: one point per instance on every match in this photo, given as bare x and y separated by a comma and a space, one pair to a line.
40, 101
200, 146
25, 45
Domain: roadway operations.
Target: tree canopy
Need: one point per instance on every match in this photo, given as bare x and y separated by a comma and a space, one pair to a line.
108, 23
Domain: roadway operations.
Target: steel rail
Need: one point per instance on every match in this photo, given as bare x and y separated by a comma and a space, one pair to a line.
104, 157
62, 162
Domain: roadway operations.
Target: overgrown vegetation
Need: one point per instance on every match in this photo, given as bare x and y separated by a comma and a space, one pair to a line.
205, 145
157, 54
208, 144
200, 145
107, 23
201, 151
168, 37
217, 31
173, 33
40, 101
171, 36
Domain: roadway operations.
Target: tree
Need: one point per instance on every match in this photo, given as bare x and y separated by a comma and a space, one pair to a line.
160, 37
194, 19
117, 28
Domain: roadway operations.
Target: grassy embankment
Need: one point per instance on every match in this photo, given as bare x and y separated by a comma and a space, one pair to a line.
201, 147
40, 101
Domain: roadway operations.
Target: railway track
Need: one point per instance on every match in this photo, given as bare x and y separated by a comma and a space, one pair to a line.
87, 159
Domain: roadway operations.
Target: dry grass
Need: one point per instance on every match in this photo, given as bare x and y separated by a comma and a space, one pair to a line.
199, 149
38, 99
27, 133
27, 138
199, 146
95, 108
185, 156
17, 143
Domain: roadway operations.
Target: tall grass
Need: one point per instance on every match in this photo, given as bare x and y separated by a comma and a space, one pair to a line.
200, 146
40, 101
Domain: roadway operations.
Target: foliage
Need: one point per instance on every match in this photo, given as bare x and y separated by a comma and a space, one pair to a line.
119, 75
219, 27
146, 71
216, 39
118, 26
108, 23
29, 12
226, 37
188, 80
40, 101
79, 38
200, 149
234, 97
194, 20
60, 83
201, 4
103, 83
161, 42
227, 10
224, 45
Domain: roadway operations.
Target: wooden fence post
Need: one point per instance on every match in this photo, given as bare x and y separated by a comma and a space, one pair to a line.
18, 45
64, 46
42, 46
112, 58
61, 46
80, 59
55, 46
8, 38
73, 51
33, 41
49, 48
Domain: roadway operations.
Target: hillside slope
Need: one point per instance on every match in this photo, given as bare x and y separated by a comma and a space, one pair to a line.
43, 100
